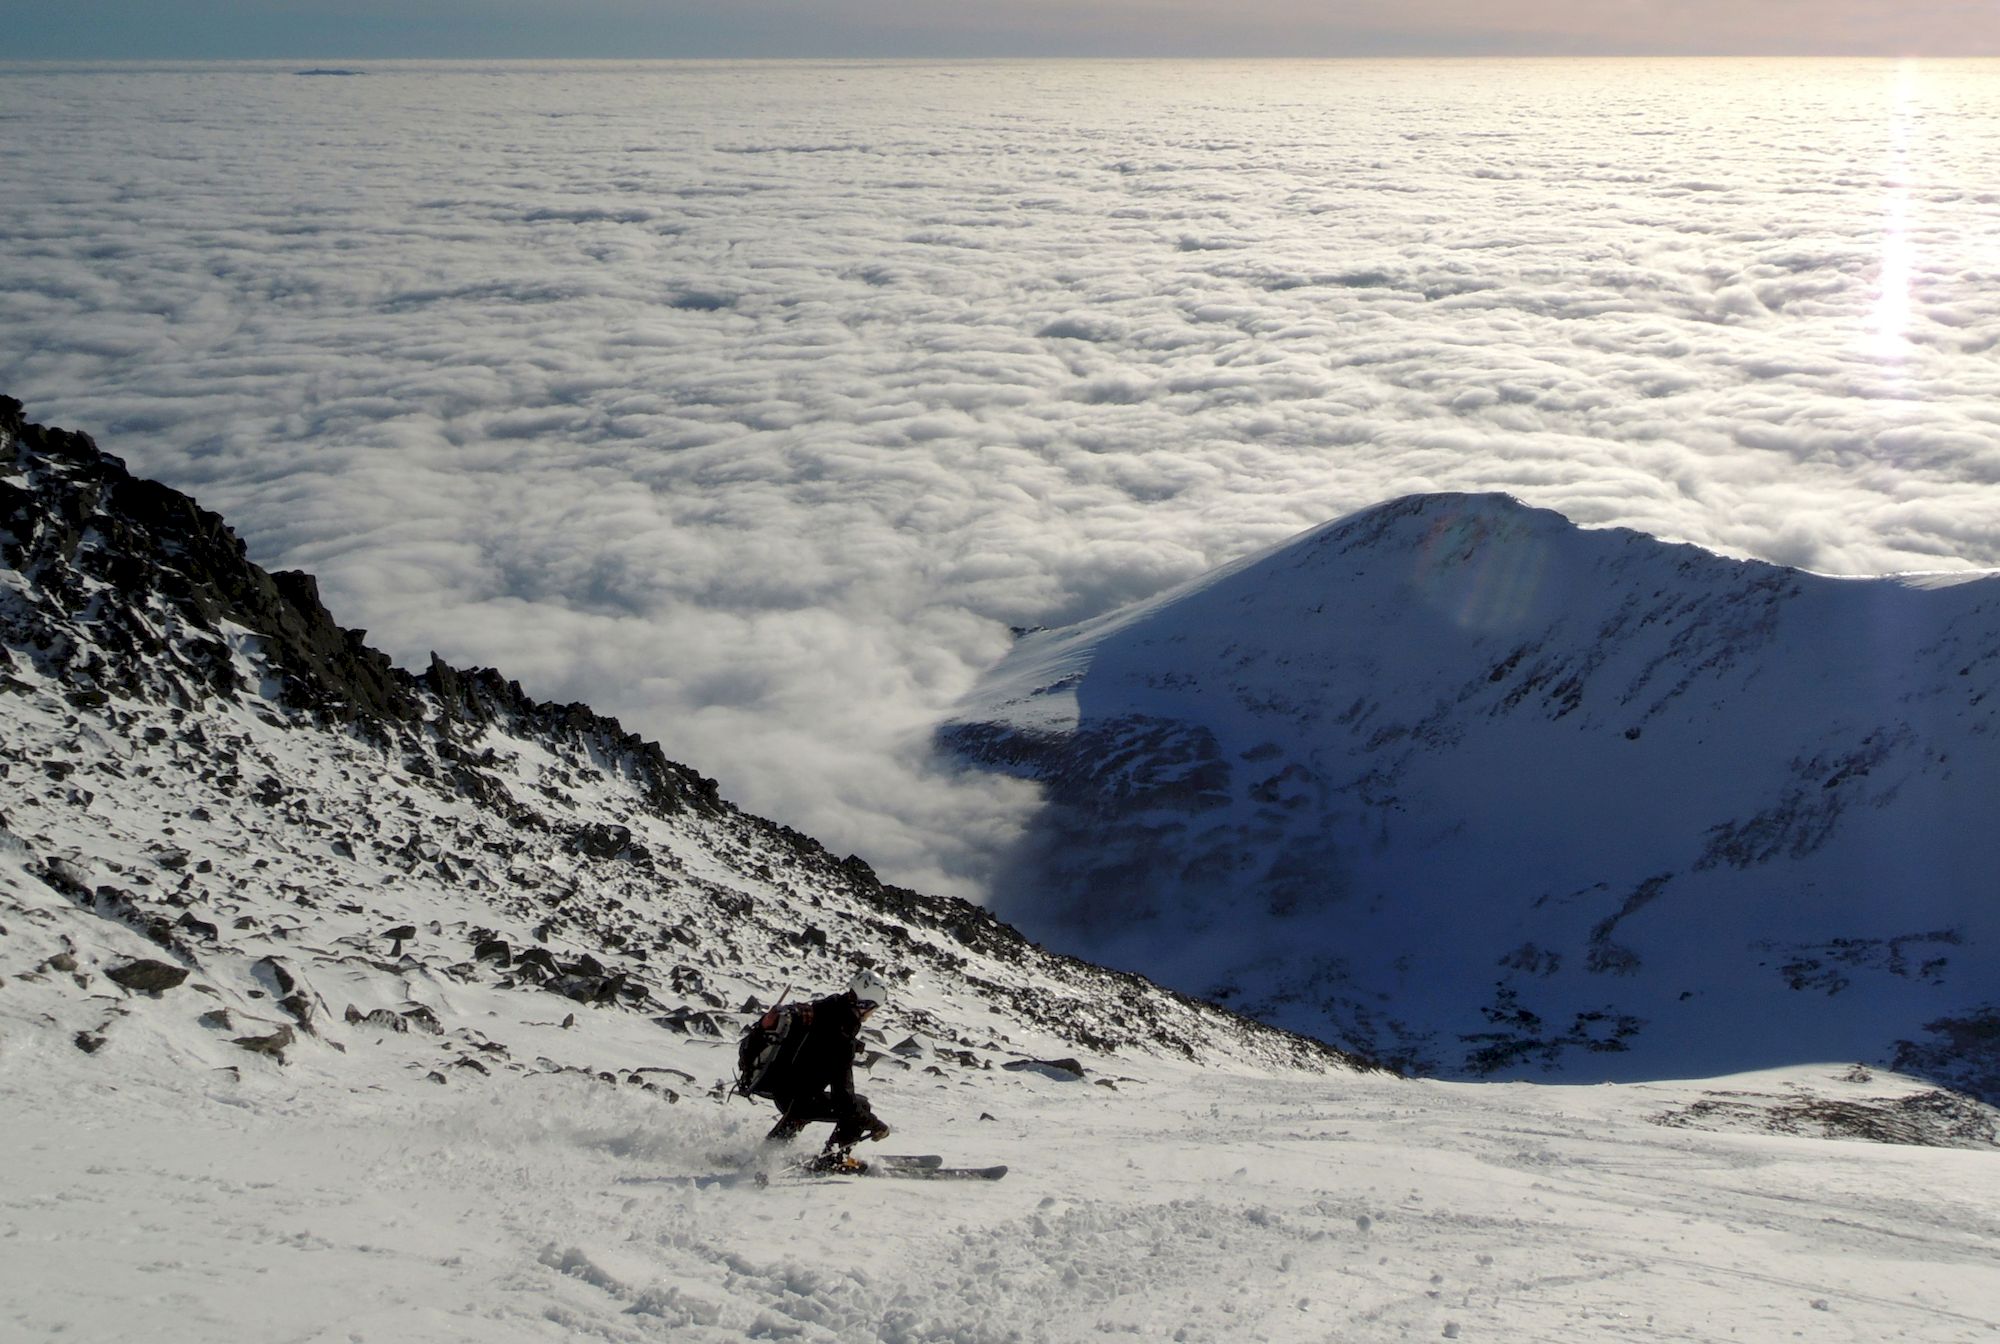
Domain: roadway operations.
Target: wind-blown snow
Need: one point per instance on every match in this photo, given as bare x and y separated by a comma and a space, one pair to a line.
753, 403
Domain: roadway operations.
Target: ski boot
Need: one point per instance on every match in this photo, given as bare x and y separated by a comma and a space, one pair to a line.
835, 1162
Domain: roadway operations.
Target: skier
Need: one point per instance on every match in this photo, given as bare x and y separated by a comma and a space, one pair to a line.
817, 1081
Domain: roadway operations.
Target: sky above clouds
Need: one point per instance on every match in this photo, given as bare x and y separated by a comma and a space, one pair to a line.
755, 404
391, 29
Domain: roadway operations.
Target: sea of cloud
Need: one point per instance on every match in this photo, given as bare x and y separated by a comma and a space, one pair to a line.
755, 402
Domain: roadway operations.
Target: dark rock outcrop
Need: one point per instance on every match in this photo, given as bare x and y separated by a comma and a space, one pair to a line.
273, 1044
85, 525
148, 977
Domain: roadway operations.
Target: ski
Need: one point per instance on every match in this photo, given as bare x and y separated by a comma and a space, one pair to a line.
918, 1168
939, 1173
761, 1160
853, 1166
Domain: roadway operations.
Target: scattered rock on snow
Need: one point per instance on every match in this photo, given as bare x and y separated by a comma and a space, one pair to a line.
587, 988
200, 928
67, 878
690, 1022
380, 1017
681, 1074
149, 977
273, 1045
600, 842
535, 964
1933, 1118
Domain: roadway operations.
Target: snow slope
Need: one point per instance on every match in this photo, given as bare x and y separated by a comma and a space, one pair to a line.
267, 1070
333, 1200
1457, 782
197, 754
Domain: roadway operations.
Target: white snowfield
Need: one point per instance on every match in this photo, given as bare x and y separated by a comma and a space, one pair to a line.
331, 1029
340, 1198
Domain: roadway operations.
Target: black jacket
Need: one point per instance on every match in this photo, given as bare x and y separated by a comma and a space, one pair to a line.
825, 1057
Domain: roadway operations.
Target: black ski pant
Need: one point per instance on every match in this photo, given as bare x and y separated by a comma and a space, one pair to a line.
851, 1117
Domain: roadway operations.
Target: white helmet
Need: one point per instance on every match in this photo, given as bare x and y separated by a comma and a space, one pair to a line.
868, 990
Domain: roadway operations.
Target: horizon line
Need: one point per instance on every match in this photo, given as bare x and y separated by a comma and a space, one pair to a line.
996, 59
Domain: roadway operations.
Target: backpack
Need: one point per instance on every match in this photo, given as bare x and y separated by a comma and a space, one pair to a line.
764, 1057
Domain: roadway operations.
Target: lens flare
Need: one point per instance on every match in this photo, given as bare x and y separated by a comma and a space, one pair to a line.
1889, 324
1479, 576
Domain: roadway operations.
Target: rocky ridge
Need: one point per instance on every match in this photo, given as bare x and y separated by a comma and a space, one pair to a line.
219, 806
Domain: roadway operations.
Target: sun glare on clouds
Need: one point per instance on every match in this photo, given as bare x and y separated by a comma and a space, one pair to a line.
1890, 334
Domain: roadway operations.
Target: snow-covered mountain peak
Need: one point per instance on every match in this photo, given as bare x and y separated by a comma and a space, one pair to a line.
1458, 781
1447, 569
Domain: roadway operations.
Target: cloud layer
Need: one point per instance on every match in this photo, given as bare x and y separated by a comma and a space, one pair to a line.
754, 403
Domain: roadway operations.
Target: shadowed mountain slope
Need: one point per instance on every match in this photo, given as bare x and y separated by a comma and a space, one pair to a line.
1455, 781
